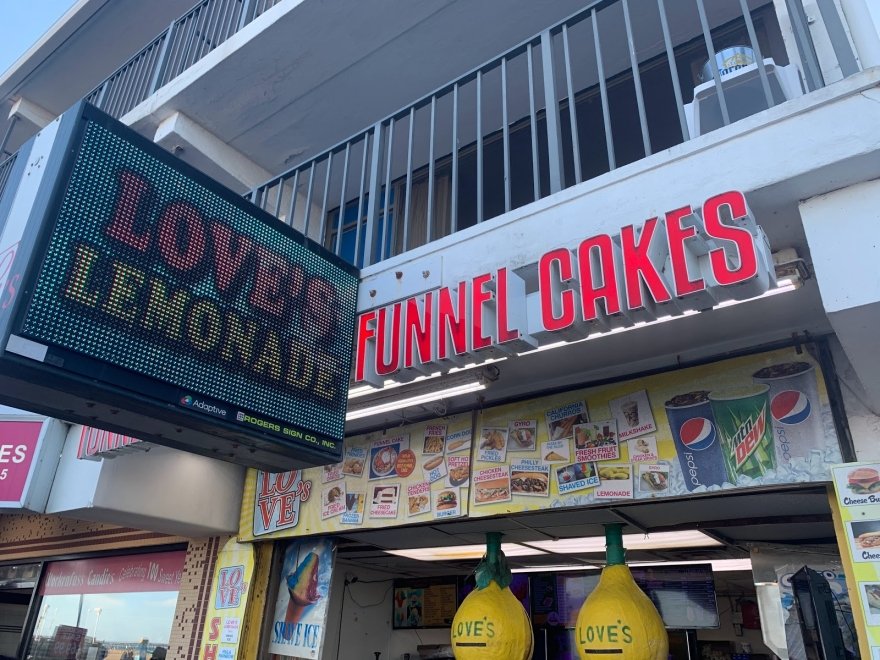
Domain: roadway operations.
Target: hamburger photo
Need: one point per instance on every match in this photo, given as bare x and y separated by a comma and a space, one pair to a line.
862, 481
446, 499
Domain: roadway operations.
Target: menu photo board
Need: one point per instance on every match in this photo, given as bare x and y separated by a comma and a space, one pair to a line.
748, 421
151, 301
424, 603
857, 487
409, 474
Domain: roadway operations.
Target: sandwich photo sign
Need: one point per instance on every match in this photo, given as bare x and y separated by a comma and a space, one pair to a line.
858, 484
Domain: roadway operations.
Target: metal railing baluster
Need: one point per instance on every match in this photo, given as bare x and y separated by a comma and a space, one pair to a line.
278, 197
372, 196
360, 206
637, 79
572, 108
386, 224
213, 23
453, 205
603, 91
759, 57
551, 113
291, 213
406, 202
326, 194
505, 132
245, 14
429, 220
716, 75
308, 212
533, 125
479, 147
341, 217
846, 60
673, 71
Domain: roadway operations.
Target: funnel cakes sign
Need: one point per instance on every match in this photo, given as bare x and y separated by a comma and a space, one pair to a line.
690, 259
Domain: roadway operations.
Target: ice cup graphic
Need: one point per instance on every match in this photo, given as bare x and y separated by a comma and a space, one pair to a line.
302, 585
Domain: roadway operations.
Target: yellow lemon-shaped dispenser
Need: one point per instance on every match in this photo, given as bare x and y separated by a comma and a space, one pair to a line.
491, 624
618, 620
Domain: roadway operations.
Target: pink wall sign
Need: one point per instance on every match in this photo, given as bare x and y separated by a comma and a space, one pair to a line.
18, 446
159, 571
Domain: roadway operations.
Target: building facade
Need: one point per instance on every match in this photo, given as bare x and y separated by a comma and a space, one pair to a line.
568, 217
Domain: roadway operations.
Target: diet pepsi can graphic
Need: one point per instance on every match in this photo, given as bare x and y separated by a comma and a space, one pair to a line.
696, 439
795, 409
745, 429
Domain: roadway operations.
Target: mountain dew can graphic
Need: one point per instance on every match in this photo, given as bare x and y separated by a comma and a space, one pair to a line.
742, 417
795, 409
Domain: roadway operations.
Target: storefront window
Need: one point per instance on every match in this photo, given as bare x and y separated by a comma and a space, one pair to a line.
118, 608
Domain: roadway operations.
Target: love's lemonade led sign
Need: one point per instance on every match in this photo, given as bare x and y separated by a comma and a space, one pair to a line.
150, 270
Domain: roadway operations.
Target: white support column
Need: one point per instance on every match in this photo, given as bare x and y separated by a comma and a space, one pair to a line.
843, 232
864, 27
31, 112
204, 150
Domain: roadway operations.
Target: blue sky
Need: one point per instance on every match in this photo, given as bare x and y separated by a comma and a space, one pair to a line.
24, 22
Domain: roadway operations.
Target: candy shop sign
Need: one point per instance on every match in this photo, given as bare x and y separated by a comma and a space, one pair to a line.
689, 259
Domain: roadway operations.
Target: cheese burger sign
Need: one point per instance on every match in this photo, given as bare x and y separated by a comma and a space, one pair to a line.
691, 258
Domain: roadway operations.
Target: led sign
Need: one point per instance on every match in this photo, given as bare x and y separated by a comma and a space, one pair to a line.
154, 280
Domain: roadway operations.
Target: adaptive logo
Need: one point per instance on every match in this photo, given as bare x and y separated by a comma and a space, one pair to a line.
697, 434
210, 408
790, 407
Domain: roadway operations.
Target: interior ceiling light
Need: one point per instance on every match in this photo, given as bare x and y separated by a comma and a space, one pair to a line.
561, 568
414, 400
460, 552
654, 541
427, 391
573, 546
359, 391
718, 565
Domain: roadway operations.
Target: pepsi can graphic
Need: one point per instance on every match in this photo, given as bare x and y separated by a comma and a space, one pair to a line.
696, 439
794, 409
742, 419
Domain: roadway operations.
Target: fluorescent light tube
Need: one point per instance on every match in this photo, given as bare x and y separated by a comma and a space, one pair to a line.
574, 546
459, 552
564, 568
415, 400
655, 541
718, 565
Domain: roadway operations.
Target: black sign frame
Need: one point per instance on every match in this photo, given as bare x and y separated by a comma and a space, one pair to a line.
69, 385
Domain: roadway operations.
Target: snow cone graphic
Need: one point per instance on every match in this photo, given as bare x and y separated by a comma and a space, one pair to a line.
302, 585
795, 409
